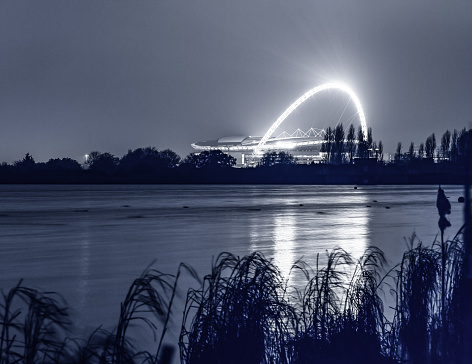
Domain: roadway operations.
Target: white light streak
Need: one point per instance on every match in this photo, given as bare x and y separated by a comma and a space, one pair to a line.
301, 100
284, 145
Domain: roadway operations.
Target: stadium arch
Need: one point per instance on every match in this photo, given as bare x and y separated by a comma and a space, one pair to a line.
326, 86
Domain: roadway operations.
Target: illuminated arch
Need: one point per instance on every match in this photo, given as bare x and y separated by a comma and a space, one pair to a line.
302, 99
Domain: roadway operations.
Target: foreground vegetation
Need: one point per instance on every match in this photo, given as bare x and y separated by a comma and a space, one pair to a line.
245, 311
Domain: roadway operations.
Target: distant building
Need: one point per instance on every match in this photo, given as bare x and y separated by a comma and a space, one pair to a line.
304, 146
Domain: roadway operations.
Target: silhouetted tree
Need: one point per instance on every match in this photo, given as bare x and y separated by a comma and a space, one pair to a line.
351, 143
430, 146
91, 157
362, 146
370, 141
105, 163
27, 164
273, 158
446, 145
327, 146
268, 159
63, 165
169, 158
411, 151
380, 154
421, 151
148, 160
398, 153
375, 151
209, 159
454, 154
338, 147
464, 145
141, 160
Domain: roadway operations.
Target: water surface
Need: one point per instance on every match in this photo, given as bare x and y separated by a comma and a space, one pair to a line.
90, 242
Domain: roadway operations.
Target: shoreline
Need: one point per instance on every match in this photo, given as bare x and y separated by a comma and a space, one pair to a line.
316, 174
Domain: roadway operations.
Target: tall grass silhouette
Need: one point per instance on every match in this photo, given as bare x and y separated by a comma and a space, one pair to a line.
35, 329
245, 312
240, 315
426, 325
32, 323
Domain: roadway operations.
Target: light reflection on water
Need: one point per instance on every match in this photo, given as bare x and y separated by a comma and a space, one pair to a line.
284, 237
83, 287
301, 231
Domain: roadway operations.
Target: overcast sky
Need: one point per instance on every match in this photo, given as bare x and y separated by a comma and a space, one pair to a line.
111, 75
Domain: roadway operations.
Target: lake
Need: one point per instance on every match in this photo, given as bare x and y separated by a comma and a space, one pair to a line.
89, 242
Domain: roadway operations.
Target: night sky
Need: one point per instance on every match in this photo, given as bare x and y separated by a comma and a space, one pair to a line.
111, 75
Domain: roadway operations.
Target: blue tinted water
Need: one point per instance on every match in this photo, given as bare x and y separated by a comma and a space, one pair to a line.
90, 242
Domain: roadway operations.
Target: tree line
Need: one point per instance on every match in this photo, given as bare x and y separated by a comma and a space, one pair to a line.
350, 158
453, 145
339, 147
138, 161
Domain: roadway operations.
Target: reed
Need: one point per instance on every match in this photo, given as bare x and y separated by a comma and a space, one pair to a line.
317, 306
244, 312
148, 302
426, 327
32, 326
341, 320
35, 326
240, 315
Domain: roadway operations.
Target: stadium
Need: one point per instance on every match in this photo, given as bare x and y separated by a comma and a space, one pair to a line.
305, 146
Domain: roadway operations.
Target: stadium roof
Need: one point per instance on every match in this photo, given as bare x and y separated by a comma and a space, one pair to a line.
296, 140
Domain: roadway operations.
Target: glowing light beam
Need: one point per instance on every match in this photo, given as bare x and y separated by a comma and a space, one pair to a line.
301, 100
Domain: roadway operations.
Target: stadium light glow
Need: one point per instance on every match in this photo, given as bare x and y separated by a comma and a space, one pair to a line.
285, 145
301, 100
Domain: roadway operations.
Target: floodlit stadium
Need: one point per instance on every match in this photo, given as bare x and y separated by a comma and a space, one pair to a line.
304, 145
